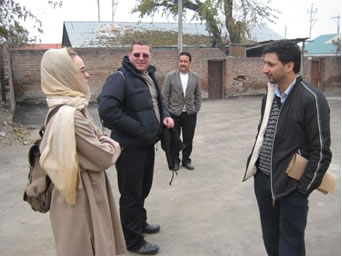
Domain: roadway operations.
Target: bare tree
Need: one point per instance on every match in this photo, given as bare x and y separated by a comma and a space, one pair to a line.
227, 21
337, 44
12, 16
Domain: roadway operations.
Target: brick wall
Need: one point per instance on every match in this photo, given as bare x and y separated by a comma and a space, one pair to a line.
331, 72
241, 76
26, 75
101, 62
244, 76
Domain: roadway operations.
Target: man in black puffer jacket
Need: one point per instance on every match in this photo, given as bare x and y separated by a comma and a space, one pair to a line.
295, 120
131, 105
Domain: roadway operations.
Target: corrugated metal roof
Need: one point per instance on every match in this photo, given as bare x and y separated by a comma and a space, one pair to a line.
264, 33
86, 34
322, 45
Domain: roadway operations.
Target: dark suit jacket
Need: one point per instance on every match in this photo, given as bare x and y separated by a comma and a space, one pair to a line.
174, 97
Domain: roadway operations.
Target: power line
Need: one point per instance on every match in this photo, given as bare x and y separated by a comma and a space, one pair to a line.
313, 19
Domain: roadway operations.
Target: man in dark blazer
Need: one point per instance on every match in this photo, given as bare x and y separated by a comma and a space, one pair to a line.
182, 94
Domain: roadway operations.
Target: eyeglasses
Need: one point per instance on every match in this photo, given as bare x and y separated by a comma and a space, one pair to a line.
138, 55
83, 70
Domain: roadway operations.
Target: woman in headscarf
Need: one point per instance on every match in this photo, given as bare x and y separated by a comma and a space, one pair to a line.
75, 155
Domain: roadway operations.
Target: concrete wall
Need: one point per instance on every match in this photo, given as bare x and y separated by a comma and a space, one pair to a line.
241, 76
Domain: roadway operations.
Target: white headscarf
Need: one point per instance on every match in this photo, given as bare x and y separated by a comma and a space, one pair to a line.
65, 85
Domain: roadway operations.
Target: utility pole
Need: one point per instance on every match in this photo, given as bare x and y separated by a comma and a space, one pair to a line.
285, 32
98, 10
114, 5
313, 19
180, 26
337, 18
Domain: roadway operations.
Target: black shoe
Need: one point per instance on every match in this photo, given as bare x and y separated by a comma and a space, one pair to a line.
147, 249
188, 166
151, 228
176, 167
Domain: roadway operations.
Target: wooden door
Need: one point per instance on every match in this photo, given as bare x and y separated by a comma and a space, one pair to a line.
315, 76
215, 72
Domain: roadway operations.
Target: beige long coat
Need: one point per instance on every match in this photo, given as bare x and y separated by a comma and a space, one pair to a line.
92, 226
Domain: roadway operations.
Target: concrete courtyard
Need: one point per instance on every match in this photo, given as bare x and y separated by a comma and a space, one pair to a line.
207, 211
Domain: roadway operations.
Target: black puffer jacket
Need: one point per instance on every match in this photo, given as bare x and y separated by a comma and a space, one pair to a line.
125, 106
303, 126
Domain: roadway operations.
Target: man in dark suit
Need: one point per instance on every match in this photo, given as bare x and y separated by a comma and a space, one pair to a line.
182, 94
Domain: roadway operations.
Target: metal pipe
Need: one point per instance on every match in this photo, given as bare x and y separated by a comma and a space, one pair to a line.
180, 26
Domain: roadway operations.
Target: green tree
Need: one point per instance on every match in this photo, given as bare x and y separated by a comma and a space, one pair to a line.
227, 21
12, 16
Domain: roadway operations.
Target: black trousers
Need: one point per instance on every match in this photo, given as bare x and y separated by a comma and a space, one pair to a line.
135, 176
283, 225
185, 125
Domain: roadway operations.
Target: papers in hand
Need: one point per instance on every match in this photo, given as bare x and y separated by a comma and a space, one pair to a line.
296, 169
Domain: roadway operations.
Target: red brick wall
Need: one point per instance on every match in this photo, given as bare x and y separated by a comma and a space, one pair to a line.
244, 76
26, 75
241, 76
331, 72
329, 69
101, 62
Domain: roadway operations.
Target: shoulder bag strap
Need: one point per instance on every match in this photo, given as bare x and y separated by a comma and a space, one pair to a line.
53, 112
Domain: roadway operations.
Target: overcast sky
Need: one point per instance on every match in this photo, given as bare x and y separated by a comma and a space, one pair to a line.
293, 20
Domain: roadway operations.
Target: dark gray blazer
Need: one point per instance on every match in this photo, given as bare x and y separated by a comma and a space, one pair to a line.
174, 97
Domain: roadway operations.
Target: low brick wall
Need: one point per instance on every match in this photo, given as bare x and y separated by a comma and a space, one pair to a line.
241, 76
244, 76
331, 72
101, 62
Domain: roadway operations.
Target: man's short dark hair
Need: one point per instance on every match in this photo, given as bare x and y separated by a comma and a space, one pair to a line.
287, 51
140, 43
186, 54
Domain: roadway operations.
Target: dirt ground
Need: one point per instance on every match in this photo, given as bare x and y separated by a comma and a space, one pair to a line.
206, 212
11, 133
